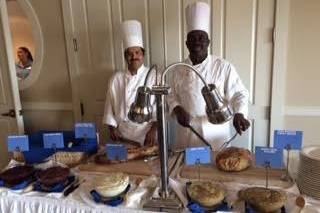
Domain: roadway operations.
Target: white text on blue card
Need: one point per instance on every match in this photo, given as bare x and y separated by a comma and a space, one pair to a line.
198, 155
85, 130
18, 143
116, 152
285, 139
53, 140
266, 156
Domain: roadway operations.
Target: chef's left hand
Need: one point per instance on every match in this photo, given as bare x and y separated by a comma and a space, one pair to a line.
151, 136
240, 123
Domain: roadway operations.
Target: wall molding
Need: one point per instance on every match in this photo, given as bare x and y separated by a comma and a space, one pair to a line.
49, 106
302, 111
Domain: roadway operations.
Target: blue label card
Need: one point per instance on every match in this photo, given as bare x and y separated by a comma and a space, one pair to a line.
18, 143
53, 140
284, 139
85, 130
269, 156
116, 152
198, 155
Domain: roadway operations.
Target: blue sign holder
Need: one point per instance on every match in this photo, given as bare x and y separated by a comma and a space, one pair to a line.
197, 156
85, 131
288, 140
18, 143
268, 158
53, 141
116, 152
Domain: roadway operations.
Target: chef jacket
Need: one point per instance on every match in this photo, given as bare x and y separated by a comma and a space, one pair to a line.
121, 94
186, 91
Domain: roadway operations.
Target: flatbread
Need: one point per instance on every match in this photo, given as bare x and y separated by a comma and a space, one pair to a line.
206, 194
262, 199
233, 159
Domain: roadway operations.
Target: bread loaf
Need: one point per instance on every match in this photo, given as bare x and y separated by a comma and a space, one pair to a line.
233, 159
263, 199
206, 193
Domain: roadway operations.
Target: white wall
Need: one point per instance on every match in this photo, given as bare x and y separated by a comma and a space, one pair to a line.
303, 74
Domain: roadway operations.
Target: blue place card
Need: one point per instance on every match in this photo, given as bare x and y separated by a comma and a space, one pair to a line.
198, 155
85, 130
18, 143
53, 140
284, 139
269, 156
116, 152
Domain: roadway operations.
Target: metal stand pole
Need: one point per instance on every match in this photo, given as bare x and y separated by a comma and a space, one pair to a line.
163, 145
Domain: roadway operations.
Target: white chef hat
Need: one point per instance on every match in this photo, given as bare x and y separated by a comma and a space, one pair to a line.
132, 34
198, 17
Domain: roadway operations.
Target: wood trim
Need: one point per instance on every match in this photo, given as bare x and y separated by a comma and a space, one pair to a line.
72, 61
55, 106
282, 10
4, 19
302, 111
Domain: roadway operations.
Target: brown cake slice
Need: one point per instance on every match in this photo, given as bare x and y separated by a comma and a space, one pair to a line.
233, 159
17, 175
53, 175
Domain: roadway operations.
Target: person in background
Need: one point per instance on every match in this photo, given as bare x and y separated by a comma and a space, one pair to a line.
123, 88
23, 66
186, 102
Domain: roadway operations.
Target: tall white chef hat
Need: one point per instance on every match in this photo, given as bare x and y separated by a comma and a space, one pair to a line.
132, 34
198, 17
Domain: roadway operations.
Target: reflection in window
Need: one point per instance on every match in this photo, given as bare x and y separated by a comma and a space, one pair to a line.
22, 38
24, 63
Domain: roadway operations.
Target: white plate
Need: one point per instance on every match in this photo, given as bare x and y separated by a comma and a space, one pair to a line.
312, 152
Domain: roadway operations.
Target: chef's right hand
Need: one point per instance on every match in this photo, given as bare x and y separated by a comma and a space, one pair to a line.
115, 134
183, 117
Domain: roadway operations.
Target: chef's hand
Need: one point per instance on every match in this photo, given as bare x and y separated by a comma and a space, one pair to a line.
240, 123
151, 136
182, 115
115, 134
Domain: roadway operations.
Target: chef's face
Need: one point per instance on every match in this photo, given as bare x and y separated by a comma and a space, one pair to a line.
197, 42
134, 57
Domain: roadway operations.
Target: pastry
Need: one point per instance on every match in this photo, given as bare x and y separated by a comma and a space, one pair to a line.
111, 185
233, 159
69, 159
206, 194
141, 152
17, 175
263, 199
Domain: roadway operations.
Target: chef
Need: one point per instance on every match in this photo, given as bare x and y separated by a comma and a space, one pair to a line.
186, 102
122, 90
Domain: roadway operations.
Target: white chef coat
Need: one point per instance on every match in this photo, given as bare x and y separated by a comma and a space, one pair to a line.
186, 91
121, 94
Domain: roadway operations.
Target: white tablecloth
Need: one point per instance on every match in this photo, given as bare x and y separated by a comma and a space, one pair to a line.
80, 202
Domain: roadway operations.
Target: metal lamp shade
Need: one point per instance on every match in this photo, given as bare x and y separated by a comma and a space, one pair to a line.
217, 109
141, 109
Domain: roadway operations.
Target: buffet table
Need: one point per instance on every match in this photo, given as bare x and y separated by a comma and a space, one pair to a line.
80, 200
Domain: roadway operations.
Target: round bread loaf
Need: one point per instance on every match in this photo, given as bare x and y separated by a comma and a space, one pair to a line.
111, 185
262, 199
53, 175
206, 194
17, 175
233, 159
